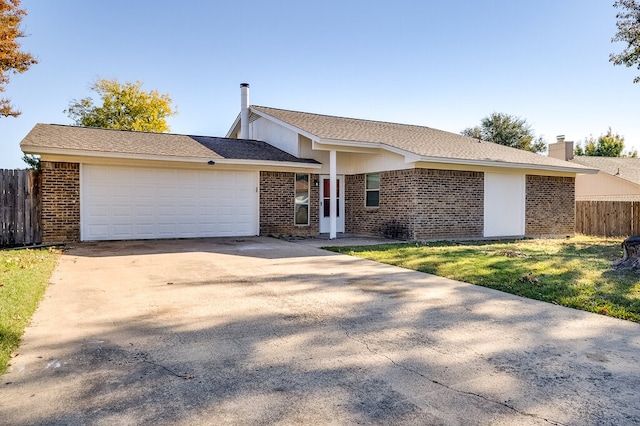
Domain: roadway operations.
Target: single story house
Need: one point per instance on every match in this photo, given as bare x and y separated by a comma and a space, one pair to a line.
617, 179
296, 173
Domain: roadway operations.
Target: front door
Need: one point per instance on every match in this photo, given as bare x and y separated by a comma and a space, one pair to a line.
325, 204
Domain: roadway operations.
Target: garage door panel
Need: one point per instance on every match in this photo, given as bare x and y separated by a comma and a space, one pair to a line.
144, 179
166, 229
206, 210
185, 197
144, 190
144, 211
122, 191
122, 212
98, 210
132, 203
207, 228
100, 191
122, 230
147, 229
99, 230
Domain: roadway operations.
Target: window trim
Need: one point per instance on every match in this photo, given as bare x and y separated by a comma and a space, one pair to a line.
367, 190
297, 204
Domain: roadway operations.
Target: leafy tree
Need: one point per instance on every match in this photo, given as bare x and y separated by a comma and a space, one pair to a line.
508, 130
33, 162
628, 32
12, 60
124, 107
607, 145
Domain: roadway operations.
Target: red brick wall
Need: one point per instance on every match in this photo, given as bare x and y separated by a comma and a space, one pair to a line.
418, 204
277, 205
550, 206
60, 202
393, 218
449, 204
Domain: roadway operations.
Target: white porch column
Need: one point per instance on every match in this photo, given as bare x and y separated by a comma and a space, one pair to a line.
332, 195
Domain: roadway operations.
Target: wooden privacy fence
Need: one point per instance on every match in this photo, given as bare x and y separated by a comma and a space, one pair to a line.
608, 218
19, 208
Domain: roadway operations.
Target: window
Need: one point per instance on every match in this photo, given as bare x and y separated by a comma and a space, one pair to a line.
301, 208
372, 190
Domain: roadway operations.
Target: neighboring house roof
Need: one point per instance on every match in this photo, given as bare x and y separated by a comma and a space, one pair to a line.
73, 140
425, 143
623, 168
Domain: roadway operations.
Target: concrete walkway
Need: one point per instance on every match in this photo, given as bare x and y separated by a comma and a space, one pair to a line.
264, 331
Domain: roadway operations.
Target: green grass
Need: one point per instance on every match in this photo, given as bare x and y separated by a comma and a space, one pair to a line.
575, 272
23, 278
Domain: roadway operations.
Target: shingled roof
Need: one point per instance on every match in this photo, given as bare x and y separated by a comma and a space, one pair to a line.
426, 142
61, 139
248, 149
623, 168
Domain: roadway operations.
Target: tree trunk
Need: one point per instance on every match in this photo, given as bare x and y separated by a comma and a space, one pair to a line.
631, 253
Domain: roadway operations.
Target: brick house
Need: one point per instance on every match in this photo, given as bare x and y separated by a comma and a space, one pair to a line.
296, 173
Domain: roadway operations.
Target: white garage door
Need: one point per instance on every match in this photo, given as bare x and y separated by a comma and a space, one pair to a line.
504, 205
136, 203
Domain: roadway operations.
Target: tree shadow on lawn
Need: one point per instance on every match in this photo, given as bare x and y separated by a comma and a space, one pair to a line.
578, 275
610, 291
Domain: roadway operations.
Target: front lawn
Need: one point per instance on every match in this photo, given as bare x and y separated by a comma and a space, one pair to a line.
574, 272
23, 278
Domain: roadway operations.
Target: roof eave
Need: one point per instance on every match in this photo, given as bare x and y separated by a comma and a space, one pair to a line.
269, 163
342, 142
504, 164
30, 149
411, 157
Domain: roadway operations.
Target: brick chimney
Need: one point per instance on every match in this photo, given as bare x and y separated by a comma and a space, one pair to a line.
561, 150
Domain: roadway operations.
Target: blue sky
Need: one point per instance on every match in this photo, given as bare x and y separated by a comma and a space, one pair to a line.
440, 64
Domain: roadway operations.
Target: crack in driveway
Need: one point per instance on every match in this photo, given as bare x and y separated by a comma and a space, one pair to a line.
436, 382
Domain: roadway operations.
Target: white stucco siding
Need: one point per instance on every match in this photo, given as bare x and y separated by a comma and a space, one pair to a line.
504, 204
354, 163
275, 134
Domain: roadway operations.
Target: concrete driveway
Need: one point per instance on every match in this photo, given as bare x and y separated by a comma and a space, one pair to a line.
263, 331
